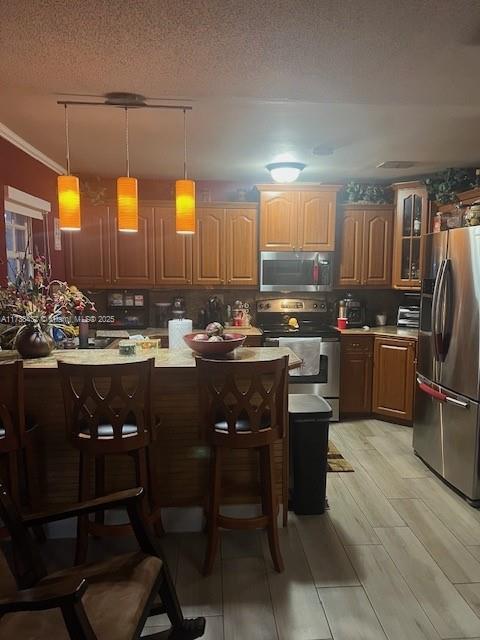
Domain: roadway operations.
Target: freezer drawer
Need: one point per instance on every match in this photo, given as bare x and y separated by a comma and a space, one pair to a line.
446, 436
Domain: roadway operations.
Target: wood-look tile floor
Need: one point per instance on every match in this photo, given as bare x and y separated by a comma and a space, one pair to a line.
396, 557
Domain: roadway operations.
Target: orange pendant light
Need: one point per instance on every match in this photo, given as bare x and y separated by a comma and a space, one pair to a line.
185, 206
69, 203
127, 204
185, 194
68, 193
127, 194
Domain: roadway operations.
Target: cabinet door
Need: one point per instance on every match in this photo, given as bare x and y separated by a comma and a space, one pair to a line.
393, 378
410, 224
133, 254
356, 375
173, 251
242, 251
209, 247
87, 252
351, 260
278, 221
377, 248
316, 221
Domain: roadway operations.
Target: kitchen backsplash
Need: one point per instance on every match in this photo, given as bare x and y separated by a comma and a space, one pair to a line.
375, 301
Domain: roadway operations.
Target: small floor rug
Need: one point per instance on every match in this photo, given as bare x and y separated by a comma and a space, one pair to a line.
336, 462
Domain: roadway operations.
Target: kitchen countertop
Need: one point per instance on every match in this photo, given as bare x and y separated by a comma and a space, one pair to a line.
389, 331
164, 358
155, 331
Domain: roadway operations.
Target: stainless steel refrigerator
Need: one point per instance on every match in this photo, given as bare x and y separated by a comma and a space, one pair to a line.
446, 427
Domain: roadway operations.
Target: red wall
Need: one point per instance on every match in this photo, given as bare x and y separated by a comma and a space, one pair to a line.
19, 170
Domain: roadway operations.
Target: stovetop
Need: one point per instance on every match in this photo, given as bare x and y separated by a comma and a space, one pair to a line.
294, 317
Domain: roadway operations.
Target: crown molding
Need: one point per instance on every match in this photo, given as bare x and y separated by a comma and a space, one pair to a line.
25, 146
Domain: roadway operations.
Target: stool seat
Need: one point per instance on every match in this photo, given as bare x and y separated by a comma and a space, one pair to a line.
242, 425
30, 424
106, 431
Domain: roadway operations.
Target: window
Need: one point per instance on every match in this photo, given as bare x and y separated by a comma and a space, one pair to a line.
18, 230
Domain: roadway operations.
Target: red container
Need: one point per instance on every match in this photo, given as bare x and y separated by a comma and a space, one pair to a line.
342, 323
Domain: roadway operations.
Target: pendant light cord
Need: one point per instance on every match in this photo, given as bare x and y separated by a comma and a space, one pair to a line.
67, 141
127, 152
184, 144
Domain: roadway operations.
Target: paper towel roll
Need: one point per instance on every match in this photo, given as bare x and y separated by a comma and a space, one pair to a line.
176, 330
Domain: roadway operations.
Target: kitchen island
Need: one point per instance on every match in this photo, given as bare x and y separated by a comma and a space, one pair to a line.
179, 455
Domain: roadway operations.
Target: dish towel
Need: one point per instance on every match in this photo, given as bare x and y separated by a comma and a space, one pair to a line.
308, 350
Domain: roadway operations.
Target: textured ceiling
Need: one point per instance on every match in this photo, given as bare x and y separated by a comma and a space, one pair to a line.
374, 79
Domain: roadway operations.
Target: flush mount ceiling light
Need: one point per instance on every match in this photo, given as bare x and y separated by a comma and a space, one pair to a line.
185, 194
68, 192
285, 171
127, 196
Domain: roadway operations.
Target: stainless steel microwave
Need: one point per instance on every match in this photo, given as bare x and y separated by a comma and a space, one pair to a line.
287, 271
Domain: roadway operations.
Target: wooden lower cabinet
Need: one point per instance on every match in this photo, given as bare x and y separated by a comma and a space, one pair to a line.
394, 378
356, 375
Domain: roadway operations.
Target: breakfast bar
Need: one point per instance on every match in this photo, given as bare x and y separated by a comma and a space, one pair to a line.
179, 455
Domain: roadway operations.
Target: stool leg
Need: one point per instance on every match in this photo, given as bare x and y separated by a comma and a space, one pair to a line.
152, 494
142, 478
82, 522
32, 480
271, 499
13, 478
100, 485
213, 509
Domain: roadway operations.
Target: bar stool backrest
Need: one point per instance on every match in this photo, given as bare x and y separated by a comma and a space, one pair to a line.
12, 412
117, 396
250, 397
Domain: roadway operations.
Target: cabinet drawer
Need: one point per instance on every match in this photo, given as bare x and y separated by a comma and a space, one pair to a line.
357, 344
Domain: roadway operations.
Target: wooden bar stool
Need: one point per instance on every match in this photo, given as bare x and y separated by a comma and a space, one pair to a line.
17, 451
243, 406
108, 411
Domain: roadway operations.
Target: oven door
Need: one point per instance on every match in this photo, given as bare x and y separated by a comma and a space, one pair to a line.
291, 271
327, 382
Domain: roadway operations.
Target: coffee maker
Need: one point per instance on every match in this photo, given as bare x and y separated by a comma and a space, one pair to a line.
353, 310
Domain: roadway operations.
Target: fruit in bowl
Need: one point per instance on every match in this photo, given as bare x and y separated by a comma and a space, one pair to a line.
215, 342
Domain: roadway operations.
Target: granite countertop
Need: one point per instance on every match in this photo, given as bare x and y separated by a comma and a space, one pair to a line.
390, 331
164, 358
160, 332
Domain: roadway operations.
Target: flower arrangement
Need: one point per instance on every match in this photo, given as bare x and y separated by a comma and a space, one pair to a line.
34, 302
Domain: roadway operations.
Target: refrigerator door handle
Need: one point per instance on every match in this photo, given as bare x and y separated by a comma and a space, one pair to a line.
430, 391
446, 291
457, 403
436, 334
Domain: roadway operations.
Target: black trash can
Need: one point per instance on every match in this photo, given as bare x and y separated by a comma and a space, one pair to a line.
309, 420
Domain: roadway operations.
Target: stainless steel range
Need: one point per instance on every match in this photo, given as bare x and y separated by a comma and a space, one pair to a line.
296, 318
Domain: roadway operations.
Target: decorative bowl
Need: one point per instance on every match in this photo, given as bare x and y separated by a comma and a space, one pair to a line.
205, 348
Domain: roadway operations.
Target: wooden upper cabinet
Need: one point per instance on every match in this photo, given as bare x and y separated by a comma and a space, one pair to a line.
394, 378
209, 264
366, 246
87, 252
411, 214
278, 221
377, 247
351, 258
242, 247
297, 217
316, 221
173, 251
133, 254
